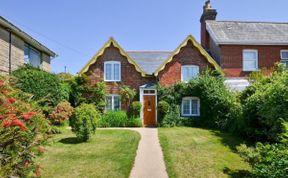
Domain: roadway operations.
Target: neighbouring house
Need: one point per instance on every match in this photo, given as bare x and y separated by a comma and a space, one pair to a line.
241, 47
142, 70
18, 48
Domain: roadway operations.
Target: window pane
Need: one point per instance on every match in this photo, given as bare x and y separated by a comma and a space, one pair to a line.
250, 65
116, 103
194, 107
26, 54
186, 107
108, 71
284, 54
195, 71
189, 72
108, 102
250, 55
34, 58
116, 72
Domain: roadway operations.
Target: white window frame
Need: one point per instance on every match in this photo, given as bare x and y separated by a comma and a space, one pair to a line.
188, 66
112, 104
190, 100
112, 71
283, 51
284, 60
243, 60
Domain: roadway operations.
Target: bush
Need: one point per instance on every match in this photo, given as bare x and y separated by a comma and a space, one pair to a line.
172, 118
82, 91
265, 106
219, 107
63, 111
114, 119
84, 120
43, 85
163, 109
22, 132
127, 95
135, 109
134, 122
267, 161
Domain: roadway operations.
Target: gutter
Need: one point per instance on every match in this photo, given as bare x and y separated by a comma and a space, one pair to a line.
10, 48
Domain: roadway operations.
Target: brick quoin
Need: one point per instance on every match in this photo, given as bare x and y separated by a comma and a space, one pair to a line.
232, 58
188, 55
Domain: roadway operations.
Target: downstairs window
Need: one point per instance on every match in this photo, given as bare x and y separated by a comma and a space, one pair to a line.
190, 106
113, 103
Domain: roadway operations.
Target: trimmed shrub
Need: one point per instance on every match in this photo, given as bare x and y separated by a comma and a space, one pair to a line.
266, 160
63, 111
44, 86
84, 121
135, 109
114, 119
163, 109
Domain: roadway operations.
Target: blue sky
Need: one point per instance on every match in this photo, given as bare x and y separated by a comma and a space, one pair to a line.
76, 29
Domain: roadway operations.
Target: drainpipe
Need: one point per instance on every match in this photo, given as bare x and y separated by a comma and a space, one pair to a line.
10, 47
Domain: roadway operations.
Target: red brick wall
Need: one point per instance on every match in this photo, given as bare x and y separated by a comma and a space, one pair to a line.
188, 55
205, 37
129, 75
231, 58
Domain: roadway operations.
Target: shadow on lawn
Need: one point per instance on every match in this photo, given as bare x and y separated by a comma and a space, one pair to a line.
231, 140
70, 140
237, 174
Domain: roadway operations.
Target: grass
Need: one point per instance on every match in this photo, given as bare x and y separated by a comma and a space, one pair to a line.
109, 153
193, 152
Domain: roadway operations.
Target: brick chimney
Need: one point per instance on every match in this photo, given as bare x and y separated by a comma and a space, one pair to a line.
208, 14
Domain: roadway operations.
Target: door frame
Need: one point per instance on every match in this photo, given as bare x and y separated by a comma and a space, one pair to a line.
142, 89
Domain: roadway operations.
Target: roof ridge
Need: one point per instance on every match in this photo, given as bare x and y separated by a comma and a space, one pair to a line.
243, 21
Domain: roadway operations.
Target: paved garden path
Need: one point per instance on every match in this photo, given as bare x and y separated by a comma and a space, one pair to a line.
149, 162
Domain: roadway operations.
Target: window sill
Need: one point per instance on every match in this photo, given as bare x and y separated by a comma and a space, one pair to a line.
184, 115
112, 80
250, 70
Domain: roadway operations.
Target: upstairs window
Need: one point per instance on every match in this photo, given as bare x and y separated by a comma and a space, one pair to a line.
190, 106
32, 56
250, 60
284, 57
189, 72
112, 71
113, 102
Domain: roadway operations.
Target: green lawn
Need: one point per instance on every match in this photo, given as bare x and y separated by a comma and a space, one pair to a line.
193, 152
110, 153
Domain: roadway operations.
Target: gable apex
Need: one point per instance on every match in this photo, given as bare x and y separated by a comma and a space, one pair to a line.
202, 51
110, 42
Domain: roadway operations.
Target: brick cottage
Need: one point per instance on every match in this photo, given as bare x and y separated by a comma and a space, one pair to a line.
233, 48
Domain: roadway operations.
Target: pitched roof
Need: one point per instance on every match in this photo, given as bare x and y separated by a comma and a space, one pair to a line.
251, 33
195, 44
27, 38
102, 50
149, 61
